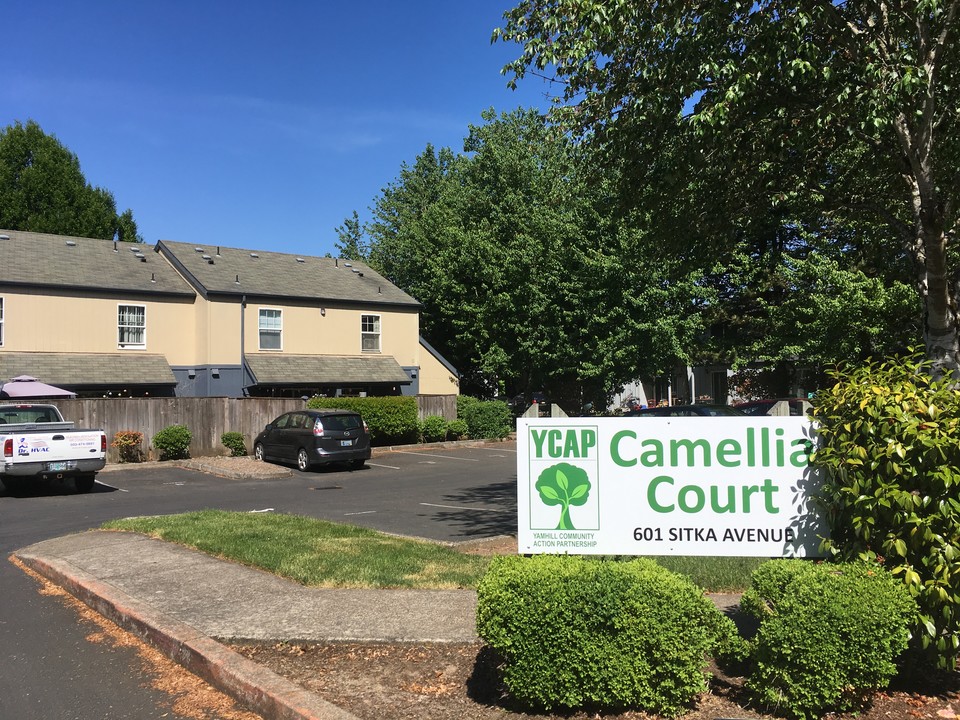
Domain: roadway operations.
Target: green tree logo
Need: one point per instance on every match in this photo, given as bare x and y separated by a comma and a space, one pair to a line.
563, 485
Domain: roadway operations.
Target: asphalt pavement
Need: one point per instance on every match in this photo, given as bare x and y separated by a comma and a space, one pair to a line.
183, 601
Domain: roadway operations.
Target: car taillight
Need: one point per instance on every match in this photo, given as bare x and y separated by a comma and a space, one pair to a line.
8, 448
318, 429
103, 443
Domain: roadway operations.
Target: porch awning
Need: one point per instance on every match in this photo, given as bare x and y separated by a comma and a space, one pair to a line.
270, 369
89, 369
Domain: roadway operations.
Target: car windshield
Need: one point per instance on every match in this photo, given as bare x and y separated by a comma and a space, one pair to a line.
27, 414
720, 410
340, 422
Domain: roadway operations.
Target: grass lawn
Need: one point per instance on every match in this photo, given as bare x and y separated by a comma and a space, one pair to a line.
325, 554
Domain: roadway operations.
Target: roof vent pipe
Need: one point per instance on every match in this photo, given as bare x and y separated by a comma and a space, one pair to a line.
237, 281
115, 248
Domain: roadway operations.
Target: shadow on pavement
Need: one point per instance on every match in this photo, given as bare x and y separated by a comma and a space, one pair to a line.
483, 511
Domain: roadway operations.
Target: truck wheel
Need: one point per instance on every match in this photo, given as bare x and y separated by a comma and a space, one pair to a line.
13, 484
84, 483
303, 460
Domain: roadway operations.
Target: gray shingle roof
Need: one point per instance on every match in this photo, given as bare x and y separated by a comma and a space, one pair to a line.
72, 369
223, 270
271, 369
28, 258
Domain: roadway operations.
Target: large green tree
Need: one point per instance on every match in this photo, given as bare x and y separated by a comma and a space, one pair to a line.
43, 190
837, 118
530, 278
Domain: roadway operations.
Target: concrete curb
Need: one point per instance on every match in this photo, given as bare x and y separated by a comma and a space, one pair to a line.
260, 689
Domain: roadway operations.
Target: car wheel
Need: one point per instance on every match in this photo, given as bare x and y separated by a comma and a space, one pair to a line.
84, 483
258, 451
357, 464
303, 460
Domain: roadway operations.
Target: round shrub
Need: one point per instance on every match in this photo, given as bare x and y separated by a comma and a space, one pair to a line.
129, 445
577, 632
829, 635
173, 442
234, 443
457, 429
433, 428
489, 419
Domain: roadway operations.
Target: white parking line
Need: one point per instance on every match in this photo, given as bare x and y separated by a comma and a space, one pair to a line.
457, 507
392, 467
497, 450
445, 457
365, 512
112, 487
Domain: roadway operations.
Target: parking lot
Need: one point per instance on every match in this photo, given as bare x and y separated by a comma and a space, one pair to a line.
449, 494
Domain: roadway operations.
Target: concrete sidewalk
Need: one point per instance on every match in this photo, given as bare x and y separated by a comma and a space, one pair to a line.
180, 600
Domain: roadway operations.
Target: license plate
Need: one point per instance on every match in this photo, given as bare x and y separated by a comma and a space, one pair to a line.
346, 443
56, 466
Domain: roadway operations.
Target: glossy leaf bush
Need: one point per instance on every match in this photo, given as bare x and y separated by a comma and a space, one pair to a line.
129, 445
890, 436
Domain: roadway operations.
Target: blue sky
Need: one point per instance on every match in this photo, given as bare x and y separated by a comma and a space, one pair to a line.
253, 125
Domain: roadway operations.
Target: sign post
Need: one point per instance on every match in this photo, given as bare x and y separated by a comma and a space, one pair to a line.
668, 486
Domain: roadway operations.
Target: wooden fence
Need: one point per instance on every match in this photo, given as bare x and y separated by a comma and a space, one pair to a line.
207, 418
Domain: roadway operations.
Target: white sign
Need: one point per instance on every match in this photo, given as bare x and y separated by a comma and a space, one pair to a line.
667, 486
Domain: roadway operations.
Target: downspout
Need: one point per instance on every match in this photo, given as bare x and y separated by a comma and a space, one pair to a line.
243, 357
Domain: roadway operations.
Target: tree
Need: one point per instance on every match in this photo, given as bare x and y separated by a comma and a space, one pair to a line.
350, 245
834, 116
43, 190
529, 278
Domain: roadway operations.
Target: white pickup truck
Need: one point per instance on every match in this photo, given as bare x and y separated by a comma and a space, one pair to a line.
38, 445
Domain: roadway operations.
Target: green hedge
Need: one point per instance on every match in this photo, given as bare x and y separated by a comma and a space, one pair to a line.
829, 635
578, 632
392, 420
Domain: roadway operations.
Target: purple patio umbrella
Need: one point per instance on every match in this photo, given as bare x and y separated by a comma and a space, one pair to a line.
24, 386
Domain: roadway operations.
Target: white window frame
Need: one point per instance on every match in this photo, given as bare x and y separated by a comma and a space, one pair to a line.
1, 320
278, 331
374, 333
129, 326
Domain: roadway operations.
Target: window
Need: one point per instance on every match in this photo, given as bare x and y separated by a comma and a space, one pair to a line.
1, 322
370, 333
271, 329
132, 326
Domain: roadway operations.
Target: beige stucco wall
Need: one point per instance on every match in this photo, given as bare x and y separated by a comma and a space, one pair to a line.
435, 379
198, 332
305, 331
68, 322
